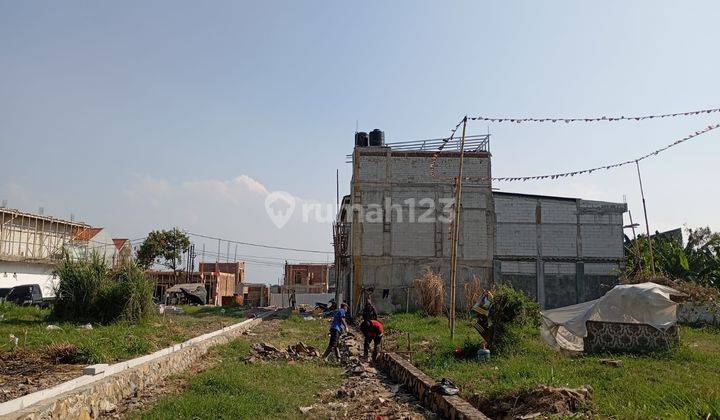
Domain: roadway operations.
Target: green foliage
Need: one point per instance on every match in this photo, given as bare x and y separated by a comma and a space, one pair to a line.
677, 384
164, 247
88, 291
697, 261
510, 312
236, 390
110, 342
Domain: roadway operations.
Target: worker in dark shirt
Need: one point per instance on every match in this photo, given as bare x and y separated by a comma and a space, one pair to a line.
372, 331
369, 313
337, 325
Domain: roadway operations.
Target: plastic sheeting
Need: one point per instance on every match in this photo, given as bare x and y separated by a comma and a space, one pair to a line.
643, 303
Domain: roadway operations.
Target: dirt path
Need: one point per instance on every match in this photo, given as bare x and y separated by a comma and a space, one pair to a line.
366, 393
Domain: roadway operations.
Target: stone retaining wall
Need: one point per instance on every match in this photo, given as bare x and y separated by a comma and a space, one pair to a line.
450, 407
699, 313
91, 396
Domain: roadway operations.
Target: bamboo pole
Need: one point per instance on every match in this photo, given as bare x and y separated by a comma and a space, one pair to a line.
647, 225
456, 232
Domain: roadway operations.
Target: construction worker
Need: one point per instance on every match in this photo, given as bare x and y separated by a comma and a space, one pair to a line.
369, 313
336, 327
372, 331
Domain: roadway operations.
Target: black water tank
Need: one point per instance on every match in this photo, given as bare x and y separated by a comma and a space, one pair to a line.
377, 137
361, 139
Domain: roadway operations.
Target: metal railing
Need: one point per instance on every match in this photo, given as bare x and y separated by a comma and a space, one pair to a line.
477, 143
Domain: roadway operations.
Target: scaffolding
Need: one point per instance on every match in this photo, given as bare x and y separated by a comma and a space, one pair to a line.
27, 237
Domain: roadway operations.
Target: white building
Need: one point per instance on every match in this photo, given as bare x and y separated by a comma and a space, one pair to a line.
31, 245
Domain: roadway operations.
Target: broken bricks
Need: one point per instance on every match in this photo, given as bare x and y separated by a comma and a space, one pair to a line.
264, 351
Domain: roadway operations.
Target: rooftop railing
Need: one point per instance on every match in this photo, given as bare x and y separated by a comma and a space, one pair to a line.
477, 143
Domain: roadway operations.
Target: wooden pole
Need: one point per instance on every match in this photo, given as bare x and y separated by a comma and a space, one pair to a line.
647, 225
456, 232
637, 245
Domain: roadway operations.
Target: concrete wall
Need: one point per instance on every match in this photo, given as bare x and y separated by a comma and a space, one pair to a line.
560, 251
446, 407
20, 273
402, 221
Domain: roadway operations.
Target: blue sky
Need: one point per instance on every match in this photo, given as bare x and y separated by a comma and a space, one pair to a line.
138, 115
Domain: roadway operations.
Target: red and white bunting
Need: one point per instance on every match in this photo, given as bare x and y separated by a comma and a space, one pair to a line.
594, 119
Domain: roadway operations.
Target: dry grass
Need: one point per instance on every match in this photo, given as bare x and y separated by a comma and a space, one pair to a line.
61, 352
697, 293
472, 291
430, 292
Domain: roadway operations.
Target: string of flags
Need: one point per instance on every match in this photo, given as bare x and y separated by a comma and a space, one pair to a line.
464, 120
598, 168
595, 119
445, 141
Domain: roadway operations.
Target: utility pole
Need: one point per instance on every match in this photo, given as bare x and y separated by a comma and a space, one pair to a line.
647, 225
456, 232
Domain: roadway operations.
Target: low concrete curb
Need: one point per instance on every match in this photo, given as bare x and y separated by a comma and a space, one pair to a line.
449, 407
89, 396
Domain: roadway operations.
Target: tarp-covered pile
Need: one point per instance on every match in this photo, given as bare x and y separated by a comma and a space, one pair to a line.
193, 293
643, 303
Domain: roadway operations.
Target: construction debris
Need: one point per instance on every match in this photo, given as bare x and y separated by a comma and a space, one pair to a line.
366, 393
543, 400
263, 352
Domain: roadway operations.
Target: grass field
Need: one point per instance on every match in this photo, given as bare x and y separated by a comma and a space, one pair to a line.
233, 389
112, 342
682, 383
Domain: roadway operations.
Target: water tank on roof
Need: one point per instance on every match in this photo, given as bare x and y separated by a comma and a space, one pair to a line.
361, 139
377, 137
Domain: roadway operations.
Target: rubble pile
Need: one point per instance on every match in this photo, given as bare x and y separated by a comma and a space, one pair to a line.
542, 400
366, 393
263, 352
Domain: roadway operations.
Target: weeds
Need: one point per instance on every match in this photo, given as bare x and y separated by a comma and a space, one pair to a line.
89, 291
430, 292
472, 290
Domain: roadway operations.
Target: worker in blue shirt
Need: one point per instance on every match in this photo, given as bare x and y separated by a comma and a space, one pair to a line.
336, 328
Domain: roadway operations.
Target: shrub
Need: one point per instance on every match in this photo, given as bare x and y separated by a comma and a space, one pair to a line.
80, 289
88, 291
511, 311
430, 292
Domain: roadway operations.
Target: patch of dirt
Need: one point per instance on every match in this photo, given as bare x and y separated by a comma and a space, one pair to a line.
23, 372
366, 392
542, 401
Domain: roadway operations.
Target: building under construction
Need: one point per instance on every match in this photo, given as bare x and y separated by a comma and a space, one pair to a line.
32, 244
398, 220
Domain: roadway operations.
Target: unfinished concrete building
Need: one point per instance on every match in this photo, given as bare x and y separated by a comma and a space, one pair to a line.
308, 278
32, 244
398, 219
395, 221
560, 251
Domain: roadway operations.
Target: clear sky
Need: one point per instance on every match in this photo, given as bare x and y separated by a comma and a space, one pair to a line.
137, 115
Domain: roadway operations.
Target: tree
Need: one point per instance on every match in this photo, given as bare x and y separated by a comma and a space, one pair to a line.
698, 260
164, 247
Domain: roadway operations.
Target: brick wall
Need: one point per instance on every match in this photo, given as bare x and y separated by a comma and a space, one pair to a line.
412, 229
575, 246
